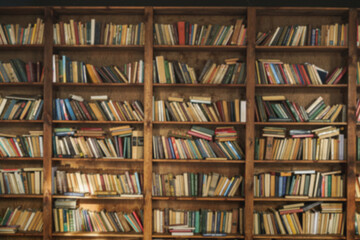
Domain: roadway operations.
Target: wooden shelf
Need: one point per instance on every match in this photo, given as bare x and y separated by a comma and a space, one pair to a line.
197, 85
301, 123
196, 123
21, 84
228, 199
22, 234
96, 122
22, 159
21, 196
98, 47
98, 160
299, 237
277, 199
10, 47
21, 121
301, 48
301, 86
300, 161
229, 236
97, 198
198, 161
197, 48
98, 85
98, 235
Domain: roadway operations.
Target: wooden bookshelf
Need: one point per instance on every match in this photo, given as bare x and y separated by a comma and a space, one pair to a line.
257, 19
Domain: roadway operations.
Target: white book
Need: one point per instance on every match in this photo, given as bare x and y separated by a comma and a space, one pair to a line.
243, 111
100, 97
92, 32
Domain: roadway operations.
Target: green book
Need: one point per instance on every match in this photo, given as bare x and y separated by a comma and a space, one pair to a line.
197, 222
192, 180
167, 72
358, 148
195, 185
205, 130
329, 186
307, 182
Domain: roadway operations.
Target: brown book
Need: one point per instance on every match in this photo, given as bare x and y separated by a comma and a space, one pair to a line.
269, 147
235, 220
137, 144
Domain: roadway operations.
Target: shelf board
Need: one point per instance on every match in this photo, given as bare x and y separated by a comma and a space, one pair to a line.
300, 161
198, 161
21, 47
96, 122
196, 123
98, 47
299, 237
97, 198
98, 235
98, 159
21, 84
98, 85
229, 236
22, 159
21, 121
21, 196
22, 234
302, 123
198, 48
198, 85
228, 199
357, 199
301, 48
300, 86
277, 199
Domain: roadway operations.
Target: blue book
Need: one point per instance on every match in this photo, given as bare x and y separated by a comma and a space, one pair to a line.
233, 148
171, 148
74, 194
137, 182
8, 110
7, 183
274, 73
213, 223
214, 234
58, 111
125, 148
218, 222
69, 108
202, 151
284, 186
36, 117
193, 149
278, 194
4, 74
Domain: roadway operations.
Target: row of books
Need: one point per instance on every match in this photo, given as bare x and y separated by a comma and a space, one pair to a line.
18, 71
100, 108
203, 221
305, 35
297, 218
21, 181
302, 145
199, 109
274, 71
180, 148
92, 143
279, 109
95, 32
186, 33
299, 184
16, 34
67, 71
195, 185
29, 145
14, 107
98, 184
84, 220
24, 220
166, 71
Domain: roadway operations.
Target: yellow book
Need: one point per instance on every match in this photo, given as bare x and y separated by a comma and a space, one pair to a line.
291, 224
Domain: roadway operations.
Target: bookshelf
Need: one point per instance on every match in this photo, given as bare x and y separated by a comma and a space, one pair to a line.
257, 19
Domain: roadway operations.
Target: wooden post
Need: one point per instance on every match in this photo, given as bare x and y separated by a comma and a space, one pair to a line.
250, 126
351, 128
148, 92
47, 115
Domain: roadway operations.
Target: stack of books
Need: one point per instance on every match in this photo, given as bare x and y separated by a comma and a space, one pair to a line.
330, 220
18, 71
204, 221
324, 143
67, 71
279, 109
305, 35
100, 108
223, 134
277, 132
16, 107
201, 132
96, 184
95, 32
196, 185
199, 109
69, 219
166, 71
274, 71
27, 145
299, 184
181, 230
21, 181
185, 33
15, 34
14, 220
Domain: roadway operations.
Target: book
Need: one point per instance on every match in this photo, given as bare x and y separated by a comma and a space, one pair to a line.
33, 33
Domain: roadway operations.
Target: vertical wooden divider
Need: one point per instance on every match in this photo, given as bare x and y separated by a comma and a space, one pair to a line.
47, 116
148, 92
250, 126
351, 127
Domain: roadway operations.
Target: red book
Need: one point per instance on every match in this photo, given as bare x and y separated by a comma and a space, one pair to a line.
302, 136
181, 32
102, 182
297, 73
168, 147
323, 187
283, 73
224, 131
122, 118
138, 220
91, 129
220, 110
199, 135
76, 33
304, 74
14, 146
290, 211
340, 76
176, 151
180, 230
85, 110
21, 35
121, 153
62, 33
267, 70
297, 111
28, 72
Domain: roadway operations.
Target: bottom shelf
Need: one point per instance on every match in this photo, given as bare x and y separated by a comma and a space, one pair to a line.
98, 234
230, 236
308, 236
